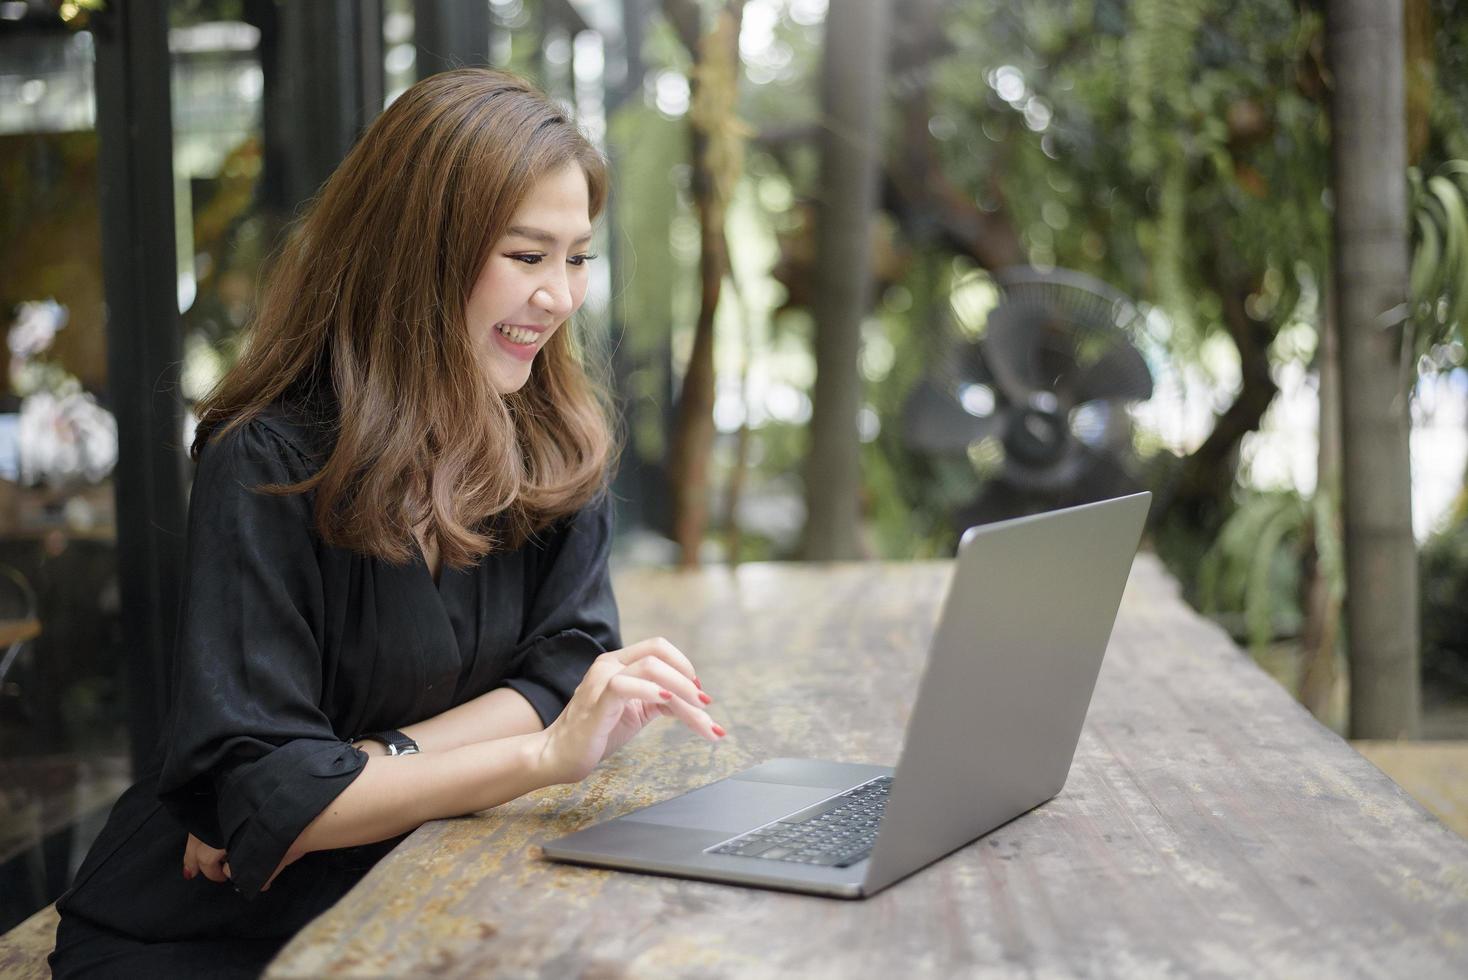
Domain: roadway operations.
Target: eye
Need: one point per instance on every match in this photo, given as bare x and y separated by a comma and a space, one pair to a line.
579, 260
529, 258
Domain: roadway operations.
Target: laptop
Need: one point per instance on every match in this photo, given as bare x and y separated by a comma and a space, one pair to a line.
992, 734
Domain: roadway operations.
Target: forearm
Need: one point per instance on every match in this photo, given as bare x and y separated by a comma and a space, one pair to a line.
500, 713
392, 796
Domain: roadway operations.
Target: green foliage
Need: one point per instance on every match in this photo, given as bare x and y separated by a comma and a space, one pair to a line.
1252, 577
646, 149
1179, 143
1444, 578
1439, 277
910, 495
1158, 51
1158, 146
1449, 102
186, 13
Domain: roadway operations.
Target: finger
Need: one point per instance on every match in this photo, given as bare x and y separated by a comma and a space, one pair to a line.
598, 675
664, 651
213, 866
660, 672
695, 718
626, 686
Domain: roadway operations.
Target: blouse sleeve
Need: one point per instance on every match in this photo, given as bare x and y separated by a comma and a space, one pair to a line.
251, 758
572, 615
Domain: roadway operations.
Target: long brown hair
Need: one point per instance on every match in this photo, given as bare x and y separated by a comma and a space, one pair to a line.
364, 319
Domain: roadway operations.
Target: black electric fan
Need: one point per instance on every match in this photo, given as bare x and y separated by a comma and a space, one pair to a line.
1038, 402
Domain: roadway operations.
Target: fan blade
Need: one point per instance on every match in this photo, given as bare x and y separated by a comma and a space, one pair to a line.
969, 360
1120, 372
1012, 348
934, 421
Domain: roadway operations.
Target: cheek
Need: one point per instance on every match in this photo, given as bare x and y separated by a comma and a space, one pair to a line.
489, 292
578, 292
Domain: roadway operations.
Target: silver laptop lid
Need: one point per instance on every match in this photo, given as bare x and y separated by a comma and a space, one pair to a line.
1013, 663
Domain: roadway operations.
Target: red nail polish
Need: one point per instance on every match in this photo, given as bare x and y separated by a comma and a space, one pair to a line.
665, 694
718, 731
697, 684
705, 698
188, 874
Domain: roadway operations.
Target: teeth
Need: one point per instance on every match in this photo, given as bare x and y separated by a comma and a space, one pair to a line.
518, 335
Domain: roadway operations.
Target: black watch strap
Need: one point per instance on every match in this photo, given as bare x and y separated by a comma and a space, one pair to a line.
397, 743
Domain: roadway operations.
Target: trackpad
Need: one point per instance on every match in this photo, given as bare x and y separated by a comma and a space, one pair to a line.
731, 805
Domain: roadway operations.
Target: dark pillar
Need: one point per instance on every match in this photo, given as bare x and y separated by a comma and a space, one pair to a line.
640, 481
331, 84
450, 34
145, 351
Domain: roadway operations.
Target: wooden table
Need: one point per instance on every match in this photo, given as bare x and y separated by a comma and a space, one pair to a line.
1210, 826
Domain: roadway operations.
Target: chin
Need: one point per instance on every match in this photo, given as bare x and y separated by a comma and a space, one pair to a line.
508, 386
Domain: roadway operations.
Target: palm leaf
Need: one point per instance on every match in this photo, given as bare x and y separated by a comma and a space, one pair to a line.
1285, 518
1454, 168
1426, 260
1455, 251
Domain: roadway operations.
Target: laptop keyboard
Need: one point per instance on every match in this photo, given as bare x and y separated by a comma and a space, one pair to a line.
835, 833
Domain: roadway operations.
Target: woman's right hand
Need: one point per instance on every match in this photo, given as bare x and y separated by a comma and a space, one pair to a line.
200, 857
621, 693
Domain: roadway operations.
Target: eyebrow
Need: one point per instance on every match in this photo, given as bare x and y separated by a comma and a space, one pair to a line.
544, 237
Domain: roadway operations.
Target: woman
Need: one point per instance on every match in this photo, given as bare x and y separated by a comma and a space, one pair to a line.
398, 534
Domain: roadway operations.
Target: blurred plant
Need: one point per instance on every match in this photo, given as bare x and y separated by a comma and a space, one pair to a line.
1251, 577
31, 333
64, 437
1438, 294
35, 326
77, 14
1444, 614
1157, 52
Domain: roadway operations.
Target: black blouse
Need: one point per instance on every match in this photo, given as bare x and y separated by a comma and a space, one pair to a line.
288, 649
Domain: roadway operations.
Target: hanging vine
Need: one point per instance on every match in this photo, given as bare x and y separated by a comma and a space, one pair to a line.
1158, 57
718, 158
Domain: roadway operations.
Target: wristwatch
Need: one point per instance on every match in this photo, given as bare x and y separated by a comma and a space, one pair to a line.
397, 743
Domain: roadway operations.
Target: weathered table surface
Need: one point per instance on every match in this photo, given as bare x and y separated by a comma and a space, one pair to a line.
1210, 827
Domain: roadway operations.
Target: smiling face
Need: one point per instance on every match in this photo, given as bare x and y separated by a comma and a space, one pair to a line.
534, 280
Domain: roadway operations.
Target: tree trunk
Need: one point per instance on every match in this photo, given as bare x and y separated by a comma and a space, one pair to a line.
1323, 602
853, 79
1364, 41
693, 434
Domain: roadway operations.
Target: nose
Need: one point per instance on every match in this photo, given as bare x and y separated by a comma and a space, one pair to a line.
554, 296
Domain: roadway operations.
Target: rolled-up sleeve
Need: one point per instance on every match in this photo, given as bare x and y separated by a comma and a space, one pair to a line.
572, 616
251, 756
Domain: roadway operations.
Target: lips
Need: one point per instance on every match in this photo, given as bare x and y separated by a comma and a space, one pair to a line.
520, 333
520, 341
